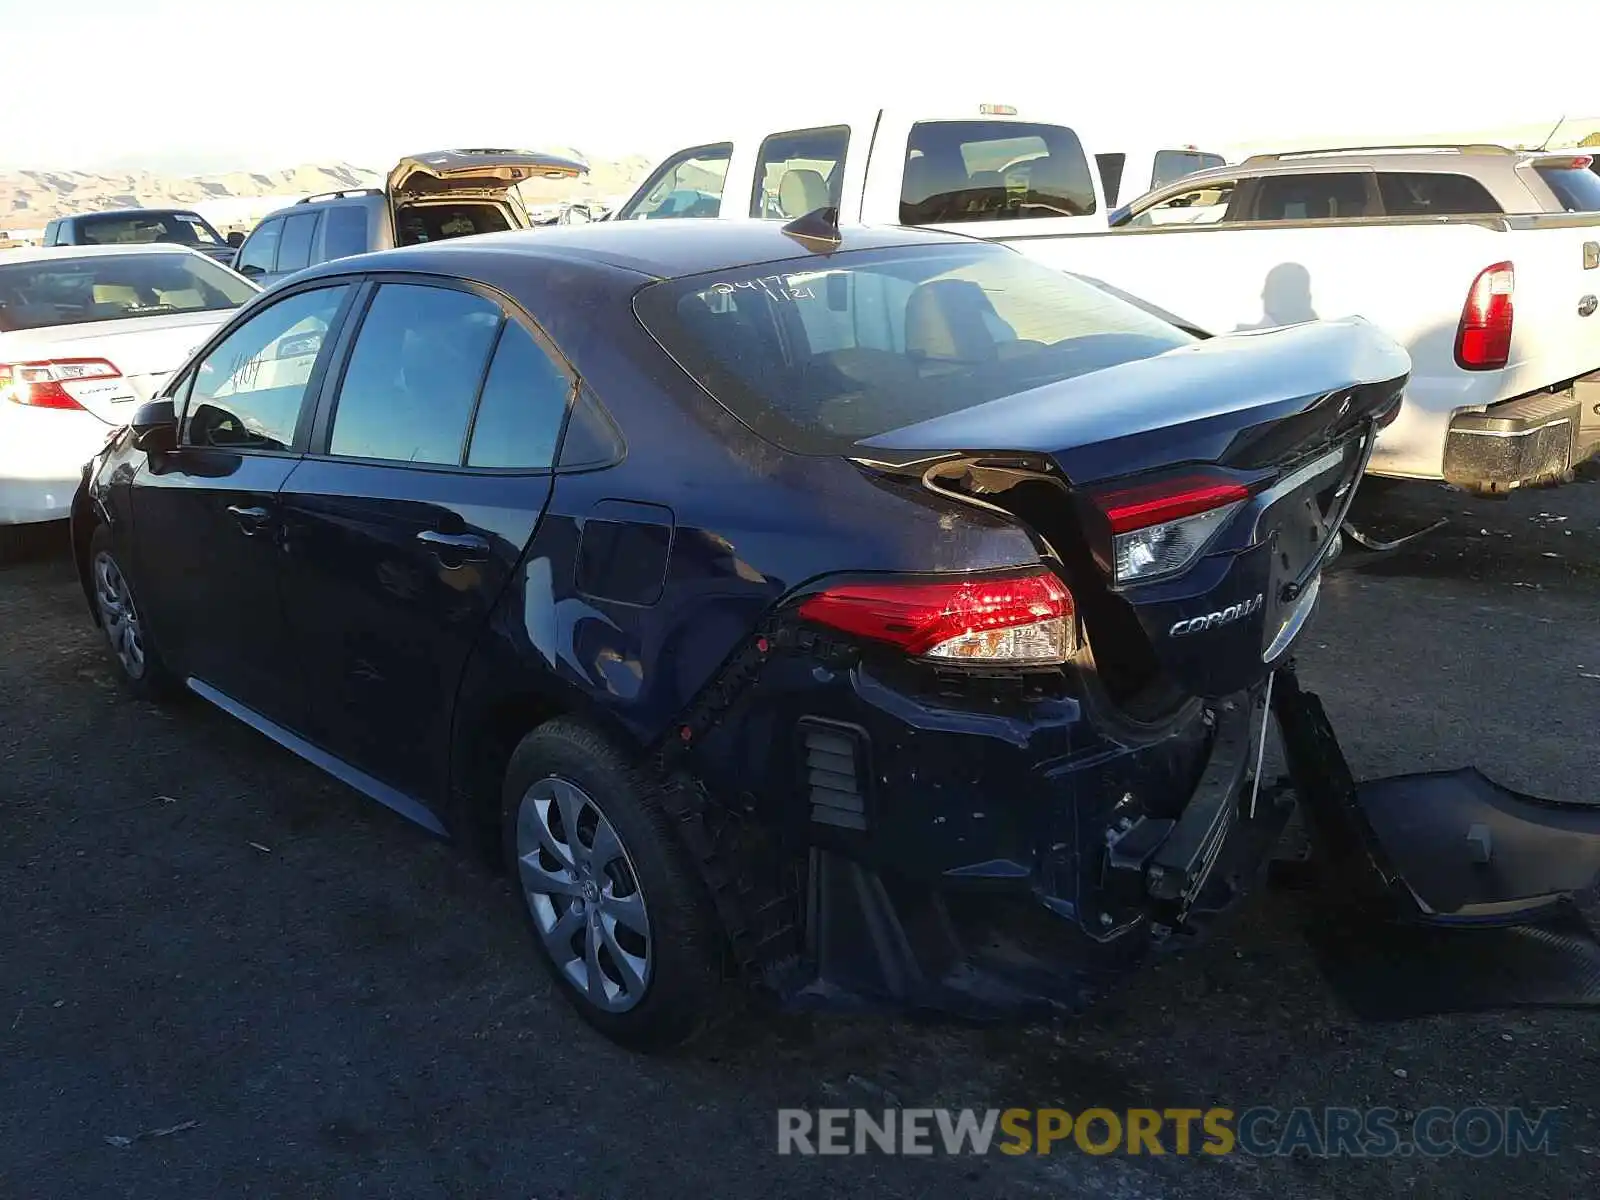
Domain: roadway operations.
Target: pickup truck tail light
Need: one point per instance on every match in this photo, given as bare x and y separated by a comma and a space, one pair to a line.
1159, 529
1483, 339
39, 384
1017, 619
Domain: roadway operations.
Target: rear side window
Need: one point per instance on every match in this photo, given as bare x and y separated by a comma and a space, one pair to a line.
818, 356
408, 391
344, 231
523, 403
958, 171
689, 184
1323, 196
1430, 194
294, 250
800, 172
260, 249
1577, 189
1173, 165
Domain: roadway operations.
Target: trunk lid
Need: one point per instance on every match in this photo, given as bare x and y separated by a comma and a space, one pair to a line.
489, 174
146, 350
1279, 423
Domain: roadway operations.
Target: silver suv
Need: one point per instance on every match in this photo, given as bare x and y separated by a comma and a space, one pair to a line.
1376, 182
426, 198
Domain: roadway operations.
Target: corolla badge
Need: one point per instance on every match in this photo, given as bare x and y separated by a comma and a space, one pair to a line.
1213, 620
1587, 305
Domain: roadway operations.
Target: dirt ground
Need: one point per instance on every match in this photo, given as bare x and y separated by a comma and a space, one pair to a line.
196, 927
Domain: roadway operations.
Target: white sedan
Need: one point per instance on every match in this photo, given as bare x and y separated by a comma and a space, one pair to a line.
86, 333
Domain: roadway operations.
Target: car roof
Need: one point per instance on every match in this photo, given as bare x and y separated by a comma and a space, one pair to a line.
664, 249
129, 212
31, 253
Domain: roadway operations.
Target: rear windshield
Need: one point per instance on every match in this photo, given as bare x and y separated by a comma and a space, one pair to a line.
416, 223
73, 290
1173, 165
185, 229
960, 171
1577, 189
816, 355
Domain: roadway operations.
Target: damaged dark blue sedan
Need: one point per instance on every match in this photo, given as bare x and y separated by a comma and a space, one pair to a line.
876, 614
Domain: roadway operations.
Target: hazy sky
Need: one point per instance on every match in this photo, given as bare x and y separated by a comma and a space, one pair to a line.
218, 84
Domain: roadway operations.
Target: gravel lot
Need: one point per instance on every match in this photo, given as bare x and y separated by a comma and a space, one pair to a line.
196, 927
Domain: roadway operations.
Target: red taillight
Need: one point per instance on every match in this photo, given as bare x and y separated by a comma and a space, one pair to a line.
1157, 503
1019, 619
39, 384
1483, 339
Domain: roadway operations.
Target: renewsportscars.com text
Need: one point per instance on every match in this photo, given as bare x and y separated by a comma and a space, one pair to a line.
1260, 1132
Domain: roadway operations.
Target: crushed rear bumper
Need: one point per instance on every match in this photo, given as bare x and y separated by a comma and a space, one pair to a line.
1437, 849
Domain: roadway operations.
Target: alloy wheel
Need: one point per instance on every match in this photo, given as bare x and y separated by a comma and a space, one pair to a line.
581, 888
118, 615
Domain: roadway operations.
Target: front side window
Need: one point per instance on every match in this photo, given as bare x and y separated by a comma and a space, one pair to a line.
114, 287
689, 184
1432, 194
247, 393
1203, 205
798, 173
816, 359
259, 253
1319, 196
409, 388
958, 171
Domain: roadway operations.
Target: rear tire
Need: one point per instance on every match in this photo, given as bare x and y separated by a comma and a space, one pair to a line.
144, 672
616, 908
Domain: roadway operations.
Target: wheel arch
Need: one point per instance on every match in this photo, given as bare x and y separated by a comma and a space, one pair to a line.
485, 732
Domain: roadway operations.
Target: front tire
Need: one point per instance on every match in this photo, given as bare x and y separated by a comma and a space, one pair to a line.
616, 908
139, 663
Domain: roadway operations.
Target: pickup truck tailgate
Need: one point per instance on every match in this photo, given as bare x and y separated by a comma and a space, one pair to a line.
1410, 277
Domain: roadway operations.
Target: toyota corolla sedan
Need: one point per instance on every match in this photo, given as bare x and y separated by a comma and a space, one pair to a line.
874, 613
86, 333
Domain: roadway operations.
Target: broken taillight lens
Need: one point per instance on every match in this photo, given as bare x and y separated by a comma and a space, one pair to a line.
1159, 529
1017, 619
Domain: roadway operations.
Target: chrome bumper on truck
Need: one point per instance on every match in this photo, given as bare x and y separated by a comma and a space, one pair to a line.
1527, 442
1437, 849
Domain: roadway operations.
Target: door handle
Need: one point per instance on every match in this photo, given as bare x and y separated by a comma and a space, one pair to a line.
250, 517
455, 547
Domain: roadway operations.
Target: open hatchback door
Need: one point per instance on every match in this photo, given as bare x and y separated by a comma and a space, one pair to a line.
470, 184
477, 173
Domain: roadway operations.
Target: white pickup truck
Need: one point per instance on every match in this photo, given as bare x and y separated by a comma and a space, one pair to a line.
1481, 261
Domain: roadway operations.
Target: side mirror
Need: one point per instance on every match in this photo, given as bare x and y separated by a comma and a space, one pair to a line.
155, 426
236, 239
